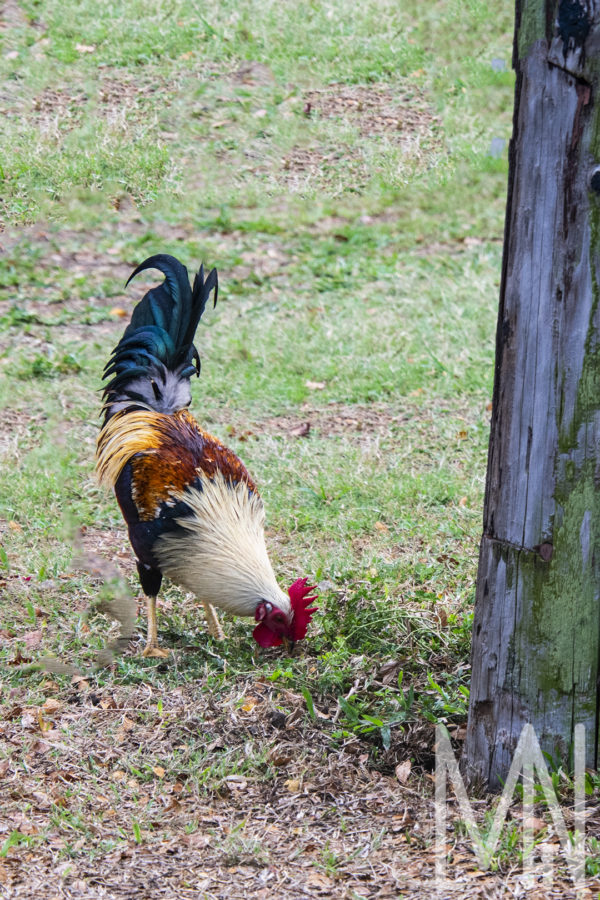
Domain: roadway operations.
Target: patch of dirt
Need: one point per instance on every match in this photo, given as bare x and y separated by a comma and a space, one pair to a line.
11, 15
102, 787
335, 419
254, 73
366, 422
245, 835
377, 112
128, 90
57, 301
306, 166
260, 264
15, 425
61, 109
375, 109
110, 544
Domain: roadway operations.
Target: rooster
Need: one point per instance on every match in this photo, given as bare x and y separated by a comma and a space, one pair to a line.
192, 509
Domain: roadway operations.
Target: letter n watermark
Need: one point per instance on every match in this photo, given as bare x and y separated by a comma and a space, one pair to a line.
527, 760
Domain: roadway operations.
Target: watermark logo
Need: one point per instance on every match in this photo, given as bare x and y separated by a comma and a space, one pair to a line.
528, 762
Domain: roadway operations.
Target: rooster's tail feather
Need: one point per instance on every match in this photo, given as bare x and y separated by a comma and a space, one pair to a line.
156, 357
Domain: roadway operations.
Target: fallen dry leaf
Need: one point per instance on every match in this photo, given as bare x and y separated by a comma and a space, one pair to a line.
27, 827
442, 616
52, 705
249, 704
4, 767
237, 781
301, 430
118, 311
403, 771
315, 385
458, 733
33, 639
39, 747
197, 841
279, 758
158, 771
534, 823
293, 785
319, 881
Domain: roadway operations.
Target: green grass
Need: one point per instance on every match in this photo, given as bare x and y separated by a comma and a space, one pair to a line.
230, 84
358, 243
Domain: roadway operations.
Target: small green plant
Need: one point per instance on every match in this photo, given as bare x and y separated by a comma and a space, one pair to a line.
330, 861
507, 852
46, 367
592, 859
357, 720
14, 839
449, 702
238, 848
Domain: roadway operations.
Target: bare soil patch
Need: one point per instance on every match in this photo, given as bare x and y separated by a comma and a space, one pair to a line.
105, 790
377, 112
332, 421
58, 109
114, 99
11, 15
375, 109
16, 426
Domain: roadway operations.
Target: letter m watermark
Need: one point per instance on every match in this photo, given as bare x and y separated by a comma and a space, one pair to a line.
527, 760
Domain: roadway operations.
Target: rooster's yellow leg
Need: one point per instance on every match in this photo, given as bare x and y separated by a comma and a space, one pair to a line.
152, 648
214, 626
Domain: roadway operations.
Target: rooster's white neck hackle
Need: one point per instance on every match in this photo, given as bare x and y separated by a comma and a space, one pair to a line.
222, 557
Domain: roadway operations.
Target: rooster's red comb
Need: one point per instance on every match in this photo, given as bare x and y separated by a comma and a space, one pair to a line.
303, 613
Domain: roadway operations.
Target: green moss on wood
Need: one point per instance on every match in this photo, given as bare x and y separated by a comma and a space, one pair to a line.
555, 644
532, 25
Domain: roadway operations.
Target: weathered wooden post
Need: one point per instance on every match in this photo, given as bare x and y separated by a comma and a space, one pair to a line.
536, 634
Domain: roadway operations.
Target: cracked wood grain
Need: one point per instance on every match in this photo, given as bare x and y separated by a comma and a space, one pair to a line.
537, 624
